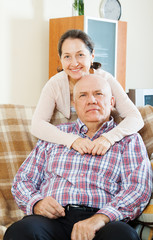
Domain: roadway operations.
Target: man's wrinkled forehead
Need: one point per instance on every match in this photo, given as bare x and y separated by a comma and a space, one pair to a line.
92, 82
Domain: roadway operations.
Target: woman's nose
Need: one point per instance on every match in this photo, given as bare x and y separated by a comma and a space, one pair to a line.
74, 61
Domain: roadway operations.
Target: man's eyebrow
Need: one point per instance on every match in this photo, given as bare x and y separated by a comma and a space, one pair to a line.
99, 90
82, 92
95, 91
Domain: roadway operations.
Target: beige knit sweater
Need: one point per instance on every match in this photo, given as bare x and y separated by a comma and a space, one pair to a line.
56, 94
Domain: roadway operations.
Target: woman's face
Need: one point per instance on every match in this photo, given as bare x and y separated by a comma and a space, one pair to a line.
76, 58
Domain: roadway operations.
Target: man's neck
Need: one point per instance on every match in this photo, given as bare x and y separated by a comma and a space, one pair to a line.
92, 128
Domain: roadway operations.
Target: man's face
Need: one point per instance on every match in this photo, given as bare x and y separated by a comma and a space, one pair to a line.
93, 100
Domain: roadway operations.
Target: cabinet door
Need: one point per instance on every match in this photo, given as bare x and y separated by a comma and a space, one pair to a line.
104, 35
109, 38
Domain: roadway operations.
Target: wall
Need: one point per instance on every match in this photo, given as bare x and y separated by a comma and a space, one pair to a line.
24, 44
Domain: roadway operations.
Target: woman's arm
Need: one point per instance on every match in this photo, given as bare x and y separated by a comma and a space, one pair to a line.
132, 119
41, 126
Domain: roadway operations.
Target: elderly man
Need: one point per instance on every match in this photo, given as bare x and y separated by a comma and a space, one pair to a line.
66, 195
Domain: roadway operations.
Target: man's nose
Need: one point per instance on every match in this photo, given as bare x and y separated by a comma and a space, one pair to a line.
92, 99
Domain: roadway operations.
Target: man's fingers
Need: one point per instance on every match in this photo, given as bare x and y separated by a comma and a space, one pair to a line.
82, 231
102, 145
49, 214
55, 207
95, 149
49, 207
83, 145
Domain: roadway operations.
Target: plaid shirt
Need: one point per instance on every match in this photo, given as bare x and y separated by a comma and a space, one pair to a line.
118, 183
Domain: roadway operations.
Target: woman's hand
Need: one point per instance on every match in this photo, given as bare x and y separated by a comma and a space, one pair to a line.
83, 145
97, 147
101, 146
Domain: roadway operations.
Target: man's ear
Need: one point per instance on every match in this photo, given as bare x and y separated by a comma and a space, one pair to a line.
73, 103
112, 101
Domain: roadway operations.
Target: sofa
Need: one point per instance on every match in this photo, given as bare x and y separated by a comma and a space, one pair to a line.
16, 142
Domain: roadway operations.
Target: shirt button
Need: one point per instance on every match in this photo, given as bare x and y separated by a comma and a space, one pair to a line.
81, 174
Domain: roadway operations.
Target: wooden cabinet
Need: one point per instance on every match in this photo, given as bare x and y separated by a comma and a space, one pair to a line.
108, 36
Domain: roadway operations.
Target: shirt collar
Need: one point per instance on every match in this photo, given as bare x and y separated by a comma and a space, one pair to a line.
82, 128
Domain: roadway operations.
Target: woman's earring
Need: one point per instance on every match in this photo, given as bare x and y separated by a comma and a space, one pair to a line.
91, 66
59, 69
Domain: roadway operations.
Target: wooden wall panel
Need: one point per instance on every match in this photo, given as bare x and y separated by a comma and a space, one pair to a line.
121, 53
57, 27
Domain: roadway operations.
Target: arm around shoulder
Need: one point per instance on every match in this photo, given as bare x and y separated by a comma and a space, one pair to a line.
132, 120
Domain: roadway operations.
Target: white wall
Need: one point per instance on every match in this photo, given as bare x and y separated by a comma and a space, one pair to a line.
24, 44
139, 18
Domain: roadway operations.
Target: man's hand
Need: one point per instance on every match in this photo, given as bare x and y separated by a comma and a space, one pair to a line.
83, 145
86, 229
101, 146
49, 207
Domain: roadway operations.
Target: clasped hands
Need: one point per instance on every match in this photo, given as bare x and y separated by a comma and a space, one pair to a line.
97, 147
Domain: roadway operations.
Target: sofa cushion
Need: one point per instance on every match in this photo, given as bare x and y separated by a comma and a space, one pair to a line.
146, 218
147, 131
3, 210
16, 143
144, 232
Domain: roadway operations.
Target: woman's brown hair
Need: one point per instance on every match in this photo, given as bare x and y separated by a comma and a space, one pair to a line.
76, 33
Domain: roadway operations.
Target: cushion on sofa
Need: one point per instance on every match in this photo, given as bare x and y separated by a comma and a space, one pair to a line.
144, 232
16, 143
146, 218
147, 131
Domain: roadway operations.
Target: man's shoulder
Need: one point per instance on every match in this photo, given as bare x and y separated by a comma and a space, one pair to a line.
133, 138
68, 127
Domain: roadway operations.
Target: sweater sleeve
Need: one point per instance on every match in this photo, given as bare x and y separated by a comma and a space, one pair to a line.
41, 126
132, 119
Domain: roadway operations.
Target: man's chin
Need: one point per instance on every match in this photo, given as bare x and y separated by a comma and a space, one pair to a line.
93, 115
94, 120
